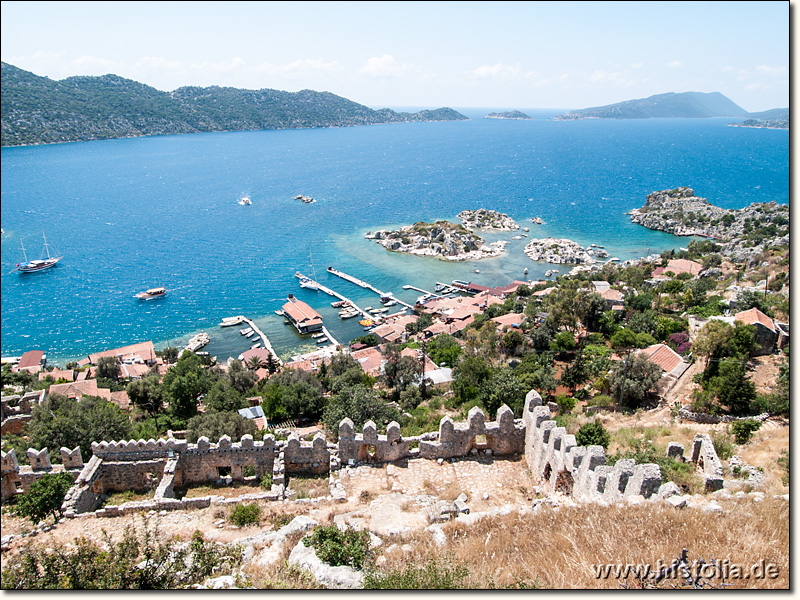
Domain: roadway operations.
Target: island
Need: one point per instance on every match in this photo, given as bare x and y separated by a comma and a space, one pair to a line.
488, 220
758, 123
511, 114
558, 251
742, 233
441, 239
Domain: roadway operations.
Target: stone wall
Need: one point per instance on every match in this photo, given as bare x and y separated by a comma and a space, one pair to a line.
18, 479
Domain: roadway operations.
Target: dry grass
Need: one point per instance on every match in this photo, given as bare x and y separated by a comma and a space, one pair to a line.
314, 486
558, 548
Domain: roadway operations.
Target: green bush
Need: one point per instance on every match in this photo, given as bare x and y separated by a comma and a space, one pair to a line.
432, 575
743, 430
266, 481
44, 497
565, 403
337, 547
593, 434
783, 463
245, 514
723, 445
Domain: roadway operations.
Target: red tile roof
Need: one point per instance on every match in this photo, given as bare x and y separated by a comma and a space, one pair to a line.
32, 358
144, 351
753, 316
663, 356
510, 319
301, 313
68, 375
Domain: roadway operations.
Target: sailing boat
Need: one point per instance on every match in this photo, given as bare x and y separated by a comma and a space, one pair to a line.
31, 266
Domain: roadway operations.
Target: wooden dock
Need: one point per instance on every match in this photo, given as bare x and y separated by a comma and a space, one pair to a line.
367, 286
335, 294
263, 336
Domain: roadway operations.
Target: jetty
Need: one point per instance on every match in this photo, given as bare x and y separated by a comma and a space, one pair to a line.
335, 294
258, 332
367, 286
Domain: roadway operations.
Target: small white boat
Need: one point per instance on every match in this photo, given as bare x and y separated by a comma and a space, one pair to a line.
245, 201
246, 331
477, 271
151, 293
254, 346
251, 334
230, 321
279, 312
548, 273
317, 335
322, 340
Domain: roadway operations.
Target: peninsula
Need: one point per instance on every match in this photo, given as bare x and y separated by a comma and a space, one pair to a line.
743, 233
442, 239
686, 105
38, 110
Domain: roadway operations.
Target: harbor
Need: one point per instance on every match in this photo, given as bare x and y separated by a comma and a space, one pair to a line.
254, 329
383, 295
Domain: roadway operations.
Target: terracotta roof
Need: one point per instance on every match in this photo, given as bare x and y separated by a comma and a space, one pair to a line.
261, 353
144, 351
32, 358
663, 356
301, 313
753, 316
613, 295
511, 319
69, 375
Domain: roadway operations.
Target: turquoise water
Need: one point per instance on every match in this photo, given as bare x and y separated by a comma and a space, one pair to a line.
137, 213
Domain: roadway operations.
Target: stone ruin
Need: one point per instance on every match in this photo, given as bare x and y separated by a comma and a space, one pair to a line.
552, 455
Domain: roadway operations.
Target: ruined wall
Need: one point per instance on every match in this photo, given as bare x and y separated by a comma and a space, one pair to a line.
561, 465
17, 479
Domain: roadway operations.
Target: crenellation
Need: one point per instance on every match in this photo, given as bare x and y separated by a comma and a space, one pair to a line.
39, 459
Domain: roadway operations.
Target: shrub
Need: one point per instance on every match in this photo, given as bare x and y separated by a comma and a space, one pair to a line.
432, 575
336, 547
602, 400
565, 403
723, 445
593, 434
266, 481
44, 497
783, 463
245, 514
743, 430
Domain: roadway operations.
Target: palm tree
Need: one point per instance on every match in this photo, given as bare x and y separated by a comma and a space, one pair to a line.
255, 362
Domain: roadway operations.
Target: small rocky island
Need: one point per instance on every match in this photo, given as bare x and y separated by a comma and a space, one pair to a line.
442, 239
742, 233
488, 220
558, 251
512, 114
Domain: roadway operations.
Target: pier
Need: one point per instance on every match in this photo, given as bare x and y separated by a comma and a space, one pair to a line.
331, 292
367, 286
330, 337
264, 339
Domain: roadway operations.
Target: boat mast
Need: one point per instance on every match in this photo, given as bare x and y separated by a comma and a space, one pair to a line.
46, 249
25, 256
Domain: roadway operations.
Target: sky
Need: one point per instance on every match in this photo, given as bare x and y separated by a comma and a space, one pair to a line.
565, 55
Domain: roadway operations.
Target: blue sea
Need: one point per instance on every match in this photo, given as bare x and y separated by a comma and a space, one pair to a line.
132, 214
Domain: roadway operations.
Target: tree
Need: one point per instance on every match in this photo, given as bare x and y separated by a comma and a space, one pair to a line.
108, 367
512, 341
563, 342
575, 373
634, 380
734, 388
214, 425
360, 405
241, 379
444, 349
255, 362
184, 383
223, 397
593, 434
467, 377
61, 421
147, 395
590, 309
624, 339
536, 371
502, 388
45, 497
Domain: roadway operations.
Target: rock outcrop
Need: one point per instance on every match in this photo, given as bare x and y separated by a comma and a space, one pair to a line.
487, 219
442, 239
558, 251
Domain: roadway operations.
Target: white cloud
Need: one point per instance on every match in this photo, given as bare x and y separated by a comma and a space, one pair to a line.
674, 64
385, 66
499, 70
300, 68
772, 71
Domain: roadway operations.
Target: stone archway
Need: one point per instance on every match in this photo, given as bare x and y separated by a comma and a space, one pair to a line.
564, 483
482, 442
367, 453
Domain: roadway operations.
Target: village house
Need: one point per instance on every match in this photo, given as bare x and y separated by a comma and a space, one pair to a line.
766, 332
513, 320
32, 361
143, 353
78, 389
670, 362
677, 266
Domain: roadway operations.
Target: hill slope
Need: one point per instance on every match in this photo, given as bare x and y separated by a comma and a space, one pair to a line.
38, 110
694, 105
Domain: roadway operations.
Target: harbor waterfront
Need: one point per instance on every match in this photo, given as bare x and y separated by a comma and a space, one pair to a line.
129, 214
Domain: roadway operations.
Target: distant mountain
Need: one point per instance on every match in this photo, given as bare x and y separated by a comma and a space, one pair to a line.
512, 114
38, 110
775, 114
686, 105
